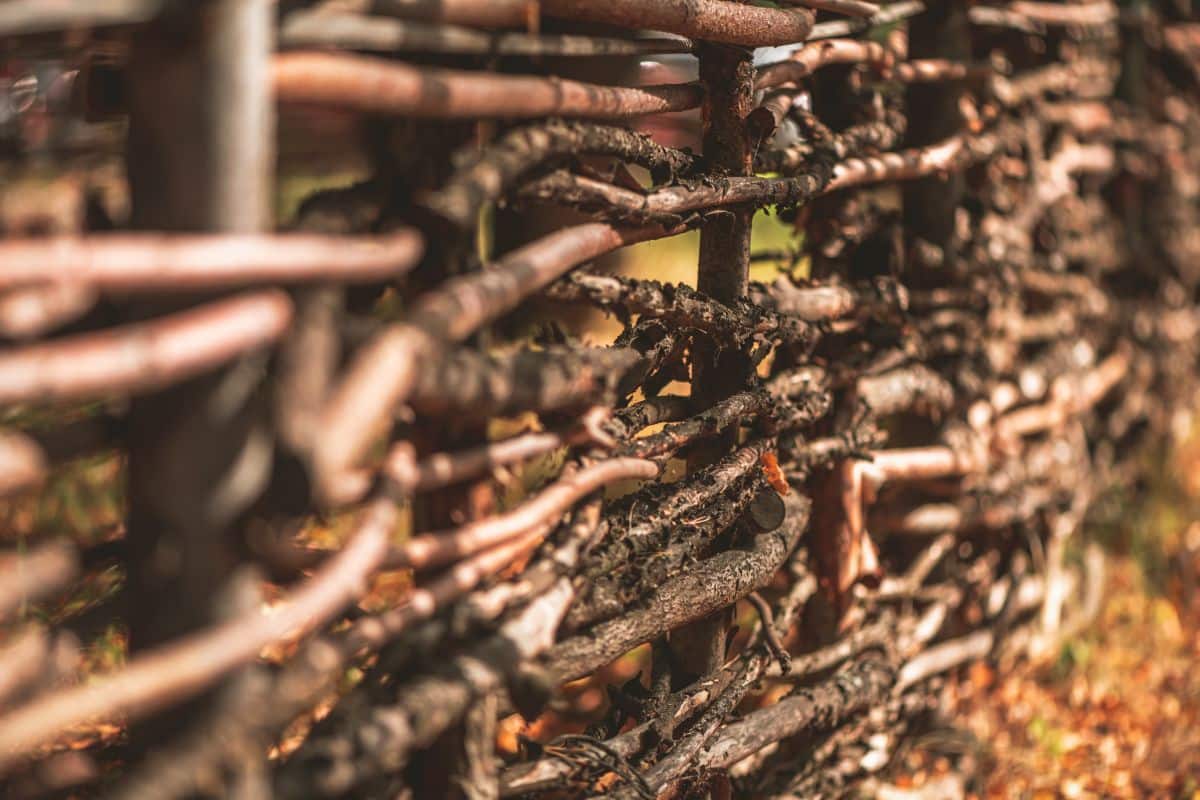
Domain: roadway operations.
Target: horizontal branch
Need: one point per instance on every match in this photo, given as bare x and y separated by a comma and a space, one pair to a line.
475, 13
493, 171
854, 690
407, 475
812, 57
708, 20
915, 388
952, 154
821, 303
130, 262
1096, 13
670, 204
852, 8
22, 463
1084, 77
385, 372
22, 17
145, 356
32, 576
378, 86
918, 464
884, 134
443, 547
935, 70
895, 12
179, 670
820, 176
733, 410
383, 34
349, 751
712, 585
470, 385
37, 309
989, 16
1071, 395
983, 513
684, 307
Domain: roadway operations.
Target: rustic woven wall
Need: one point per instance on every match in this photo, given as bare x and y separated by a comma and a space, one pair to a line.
732, 553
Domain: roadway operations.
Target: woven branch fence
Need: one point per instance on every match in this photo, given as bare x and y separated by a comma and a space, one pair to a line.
392, 524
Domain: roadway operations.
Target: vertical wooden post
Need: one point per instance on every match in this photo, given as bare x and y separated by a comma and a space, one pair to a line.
724, 275
930, 204
728, 74
199, 159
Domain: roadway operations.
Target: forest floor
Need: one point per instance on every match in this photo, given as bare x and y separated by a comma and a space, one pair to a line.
1114, 712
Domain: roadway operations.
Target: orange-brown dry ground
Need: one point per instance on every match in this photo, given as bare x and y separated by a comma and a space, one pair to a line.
1116, 711
1118, 714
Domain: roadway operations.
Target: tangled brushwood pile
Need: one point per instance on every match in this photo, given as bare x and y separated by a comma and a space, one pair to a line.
748, 538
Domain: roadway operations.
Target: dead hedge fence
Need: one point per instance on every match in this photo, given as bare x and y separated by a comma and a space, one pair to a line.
394, 522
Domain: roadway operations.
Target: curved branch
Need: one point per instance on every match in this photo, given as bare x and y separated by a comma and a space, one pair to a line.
709, 20
383, 34
385, 372
469, 385
682, 306
378, 86
851, 8
147, 356
822, 303
22, 17
952, 154
1091, 14
355, 749
409, 475
714, 584
180, 670
521, 150
812, 57
129, 262
670, 204
27, 577
476, 13
854, 690
885, 16
435, 549
22, 463
34, 310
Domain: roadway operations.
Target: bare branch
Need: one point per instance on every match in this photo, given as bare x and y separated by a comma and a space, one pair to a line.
886, 15
714, 584
519, 151
147, 356
371, 85
21, 17
813, 57
434, 549
709, 20
851, 8
376, 33
22, 463
140, 263
34, 310
28, 577
386, 371
179, 670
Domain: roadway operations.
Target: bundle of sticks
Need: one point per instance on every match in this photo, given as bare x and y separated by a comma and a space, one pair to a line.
374, 538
